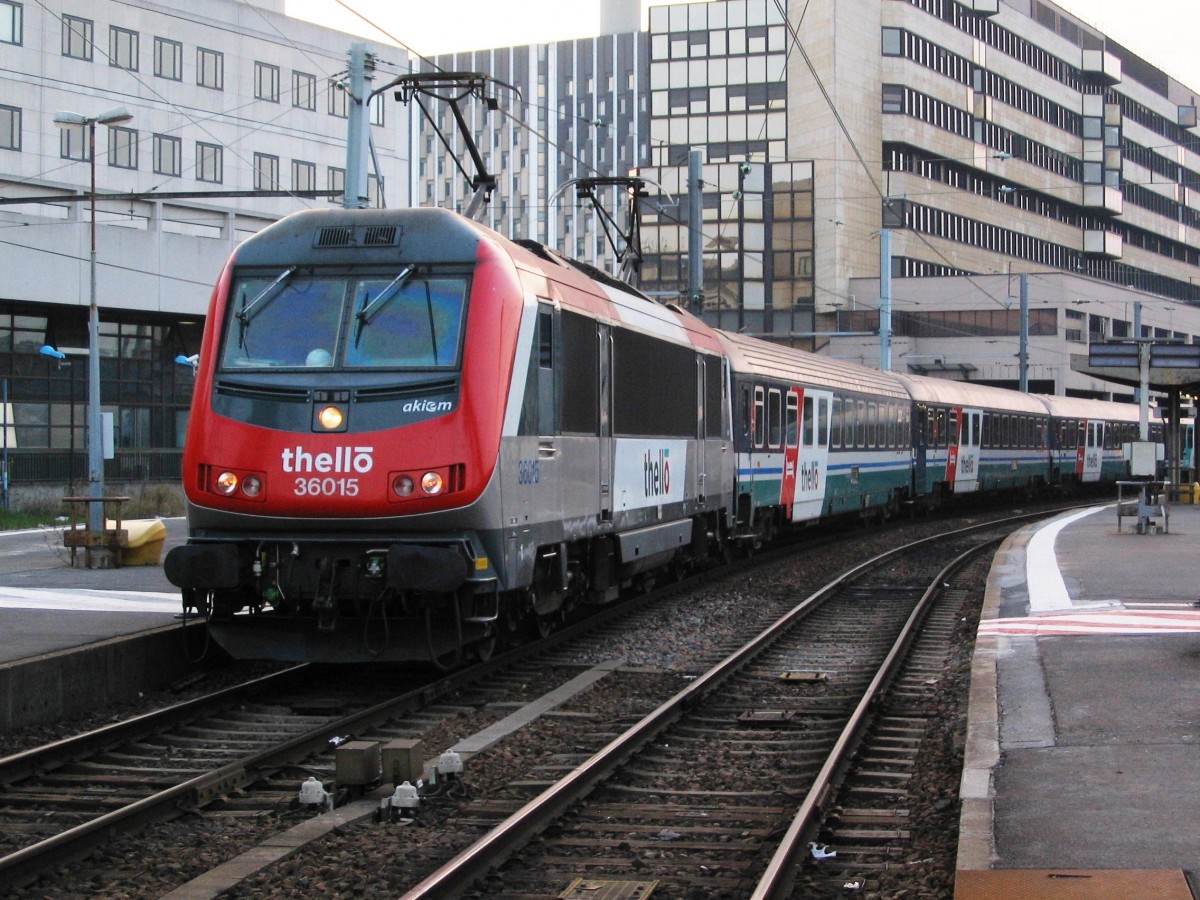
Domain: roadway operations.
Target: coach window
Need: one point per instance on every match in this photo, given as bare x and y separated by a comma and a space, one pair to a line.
714, 396
835, 439
774, 401
792, 411
872, 424
654, 386
760, 415
809, 431
892, 414
861, 422
579, 362
823, 422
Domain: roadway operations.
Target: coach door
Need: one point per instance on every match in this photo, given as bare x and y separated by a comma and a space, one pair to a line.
1089, 457
962, 466
806, 459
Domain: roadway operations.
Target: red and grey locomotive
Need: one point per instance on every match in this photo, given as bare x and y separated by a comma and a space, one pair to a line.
410, 434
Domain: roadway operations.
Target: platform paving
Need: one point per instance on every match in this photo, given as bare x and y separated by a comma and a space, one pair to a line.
1083, 748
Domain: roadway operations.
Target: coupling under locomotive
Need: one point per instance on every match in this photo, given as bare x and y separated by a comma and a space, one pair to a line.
410, 436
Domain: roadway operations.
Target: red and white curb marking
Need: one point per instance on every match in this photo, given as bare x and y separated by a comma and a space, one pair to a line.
1124, 621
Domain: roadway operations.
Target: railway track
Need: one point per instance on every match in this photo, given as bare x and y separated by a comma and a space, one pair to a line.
745, 752
694, 796
62, 800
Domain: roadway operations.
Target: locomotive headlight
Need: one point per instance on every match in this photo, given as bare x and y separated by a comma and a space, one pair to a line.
252, 486
432, 483
403, 485
226, 483
331, 418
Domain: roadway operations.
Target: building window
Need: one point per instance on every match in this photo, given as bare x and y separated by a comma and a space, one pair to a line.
893, 98
73, 143
168, 155
122, 147
209, 162
375, 109
335, 180
210, 69
304, 175
266, 82
10, 128
11, 22
77, 37
893, 42
168, 59
338, 99
375, 193
123, 48
304, 90
266, 172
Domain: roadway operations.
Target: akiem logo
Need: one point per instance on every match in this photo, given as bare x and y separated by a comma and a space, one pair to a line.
656, 470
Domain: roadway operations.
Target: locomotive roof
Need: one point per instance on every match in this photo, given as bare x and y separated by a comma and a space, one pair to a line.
342, 236
1081, 408
753, 356
925, 389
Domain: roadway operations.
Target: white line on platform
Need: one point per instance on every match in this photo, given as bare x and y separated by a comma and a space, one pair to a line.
89, 600
1047, 591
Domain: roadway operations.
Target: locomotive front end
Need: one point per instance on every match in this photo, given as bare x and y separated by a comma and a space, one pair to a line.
344, 433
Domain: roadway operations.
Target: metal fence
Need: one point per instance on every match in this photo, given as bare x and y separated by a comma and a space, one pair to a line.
39, 466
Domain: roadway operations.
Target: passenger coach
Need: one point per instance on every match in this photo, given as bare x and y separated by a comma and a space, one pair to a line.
973, 437
813, 436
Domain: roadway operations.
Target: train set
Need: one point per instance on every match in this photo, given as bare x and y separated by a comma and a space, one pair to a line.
412, 438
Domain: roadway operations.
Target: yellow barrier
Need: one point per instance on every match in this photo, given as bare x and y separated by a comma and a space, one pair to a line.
142, 543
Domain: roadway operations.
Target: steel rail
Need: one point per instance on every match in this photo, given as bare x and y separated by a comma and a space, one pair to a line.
457, 875
39, 760
777, 881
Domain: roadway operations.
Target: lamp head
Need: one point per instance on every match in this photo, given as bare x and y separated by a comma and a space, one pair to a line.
115, 116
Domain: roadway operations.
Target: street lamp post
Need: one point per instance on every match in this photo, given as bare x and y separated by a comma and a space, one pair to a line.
95, 518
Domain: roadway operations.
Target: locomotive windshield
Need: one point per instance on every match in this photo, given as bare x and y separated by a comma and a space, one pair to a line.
393, 320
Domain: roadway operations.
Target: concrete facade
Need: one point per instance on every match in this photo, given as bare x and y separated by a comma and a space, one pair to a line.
228, 100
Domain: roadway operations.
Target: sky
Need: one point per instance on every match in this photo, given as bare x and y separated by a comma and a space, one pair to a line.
1164, 32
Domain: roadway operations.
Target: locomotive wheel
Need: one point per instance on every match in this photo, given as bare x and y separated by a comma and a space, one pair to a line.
541, 626
484, 649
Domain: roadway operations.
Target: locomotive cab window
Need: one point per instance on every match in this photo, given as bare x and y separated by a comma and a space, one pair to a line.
396, 319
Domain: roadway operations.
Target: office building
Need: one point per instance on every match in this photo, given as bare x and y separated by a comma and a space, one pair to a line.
238, 114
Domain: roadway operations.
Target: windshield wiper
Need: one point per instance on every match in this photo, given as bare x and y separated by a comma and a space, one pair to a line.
246, 313
372, 309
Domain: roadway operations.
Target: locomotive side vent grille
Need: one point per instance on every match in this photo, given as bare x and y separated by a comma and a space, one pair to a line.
335, 236
380, 236
293, 395
397, 392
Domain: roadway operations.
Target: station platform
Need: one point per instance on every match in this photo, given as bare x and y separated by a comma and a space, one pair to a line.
76, 638
1082, 761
